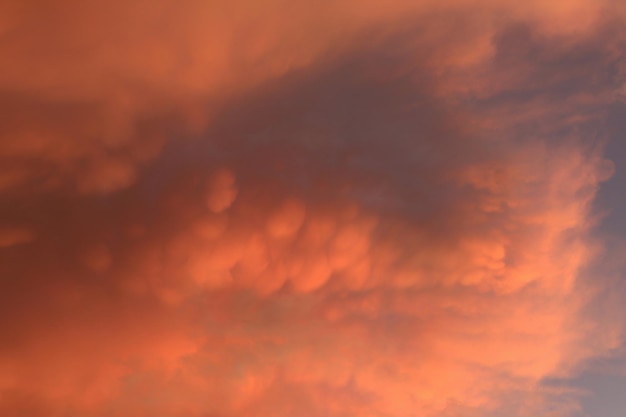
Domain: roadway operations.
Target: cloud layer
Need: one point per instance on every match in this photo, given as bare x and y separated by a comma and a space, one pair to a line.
283, 209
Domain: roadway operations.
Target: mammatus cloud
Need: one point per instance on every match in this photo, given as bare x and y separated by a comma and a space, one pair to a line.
296, 209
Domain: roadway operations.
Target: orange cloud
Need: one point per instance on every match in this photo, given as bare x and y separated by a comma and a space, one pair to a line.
215, 209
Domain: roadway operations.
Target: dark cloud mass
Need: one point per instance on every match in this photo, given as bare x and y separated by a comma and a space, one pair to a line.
303, 209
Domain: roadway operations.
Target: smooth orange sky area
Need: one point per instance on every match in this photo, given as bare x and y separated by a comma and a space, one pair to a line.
302, 208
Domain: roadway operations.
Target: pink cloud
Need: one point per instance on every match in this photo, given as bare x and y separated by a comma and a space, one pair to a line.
336, 209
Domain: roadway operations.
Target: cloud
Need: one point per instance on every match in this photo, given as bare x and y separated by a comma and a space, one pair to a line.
14, 236
216, 210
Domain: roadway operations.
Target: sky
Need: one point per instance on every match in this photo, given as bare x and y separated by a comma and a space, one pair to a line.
301, 208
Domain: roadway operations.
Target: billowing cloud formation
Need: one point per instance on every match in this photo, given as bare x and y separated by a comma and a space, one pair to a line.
300, 209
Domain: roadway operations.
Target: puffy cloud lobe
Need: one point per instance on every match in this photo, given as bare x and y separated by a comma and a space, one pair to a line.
14, 236
301, 226
222, 191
